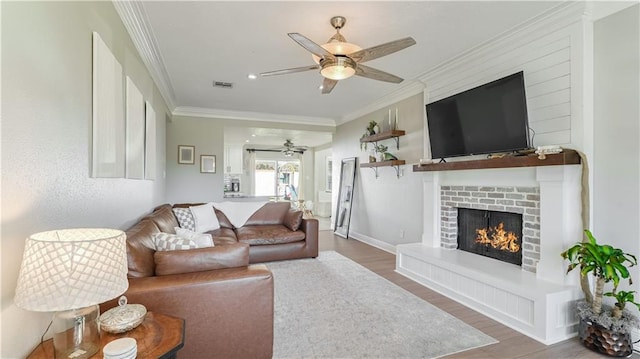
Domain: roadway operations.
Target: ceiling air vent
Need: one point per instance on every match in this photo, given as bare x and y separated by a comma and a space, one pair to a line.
224, 85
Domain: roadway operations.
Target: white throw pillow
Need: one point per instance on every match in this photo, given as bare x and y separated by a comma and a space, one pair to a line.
238, 212
205, 218
172, 242
202, 240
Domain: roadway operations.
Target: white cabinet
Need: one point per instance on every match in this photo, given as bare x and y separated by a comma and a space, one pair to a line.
233, 159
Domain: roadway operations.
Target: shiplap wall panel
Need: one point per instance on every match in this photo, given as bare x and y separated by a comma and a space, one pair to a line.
545, 57
550, 112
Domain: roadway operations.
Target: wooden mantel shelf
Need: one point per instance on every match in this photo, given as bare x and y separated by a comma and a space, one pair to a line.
567, 157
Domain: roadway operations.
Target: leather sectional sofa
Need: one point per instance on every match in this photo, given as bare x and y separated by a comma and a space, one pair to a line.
227, 303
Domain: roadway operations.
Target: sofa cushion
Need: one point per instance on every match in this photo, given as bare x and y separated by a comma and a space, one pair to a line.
270, 213
140, 249
268, 234
201, 259
205, 217
185, 218
164, 218
222, 219
222, 236
292, 220
172, 242
202, 240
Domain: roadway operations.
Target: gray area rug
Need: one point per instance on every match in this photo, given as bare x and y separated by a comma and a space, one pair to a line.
332, 307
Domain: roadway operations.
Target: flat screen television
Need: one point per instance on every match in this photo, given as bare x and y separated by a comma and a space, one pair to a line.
490, 118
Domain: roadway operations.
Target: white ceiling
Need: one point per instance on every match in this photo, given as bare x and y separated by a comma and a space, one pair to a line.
204, 41
274, 137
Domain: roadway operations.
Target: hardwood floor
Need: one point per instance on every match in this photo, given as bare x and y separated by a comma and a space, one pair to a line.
511, 344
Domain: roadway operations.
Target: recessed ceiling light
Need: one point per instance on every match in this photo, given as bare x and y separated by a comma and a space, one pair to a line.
252, 76
253, 135
320, 87
247, 141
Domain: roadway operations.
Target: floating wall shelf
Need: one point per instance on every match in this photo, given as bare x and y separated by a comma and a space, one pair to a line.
395, 134
393, 163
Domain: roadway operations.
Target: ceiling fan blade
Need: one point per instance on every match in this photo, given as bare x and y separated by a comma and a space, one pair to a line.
374, 52
375, 74
290, 71
311, 46
328, 85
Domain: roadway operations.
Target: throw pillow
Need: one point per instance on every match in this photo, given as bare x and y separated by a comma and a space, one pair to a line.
205, 218
202, 240
185, 218
293, 219
172, 242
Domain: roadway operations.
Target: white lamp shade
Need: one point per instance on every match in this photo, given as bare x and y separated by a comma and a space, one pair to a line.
72, 268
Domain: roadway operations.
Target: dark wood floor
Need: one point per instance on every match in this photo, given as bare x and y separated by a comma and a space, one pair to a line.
511, 344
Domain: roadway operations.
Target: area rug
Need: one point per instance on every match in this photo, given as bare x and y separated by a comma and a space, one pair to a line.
332, 307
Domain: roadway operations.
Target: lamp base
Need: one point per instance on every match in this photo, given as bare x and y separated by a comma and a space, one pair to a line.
75, 333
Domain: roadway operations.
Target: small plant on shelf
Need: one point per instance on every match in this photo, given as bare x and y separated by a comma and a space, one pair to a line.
372, 129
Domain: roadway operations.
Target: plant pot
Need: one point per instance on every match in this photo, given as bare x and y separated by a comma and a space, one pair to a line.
603, 340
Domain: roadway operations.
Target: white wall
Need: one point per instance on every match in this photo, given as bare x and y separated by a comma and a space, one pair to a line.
385, 206
550, 55
46, 139
616, 162
185, 183
322, 209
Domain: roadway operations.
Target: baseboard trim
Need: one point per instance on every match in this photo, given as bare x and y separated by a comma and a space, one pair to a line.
373, 242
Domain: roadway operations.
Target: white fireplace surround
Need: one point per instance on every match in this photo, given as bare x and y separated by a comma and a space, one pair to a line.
541, 304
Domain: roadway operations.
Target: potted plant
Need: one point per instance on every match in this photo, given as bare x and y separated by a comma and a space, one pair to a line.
603, 328
380, 150
372, 129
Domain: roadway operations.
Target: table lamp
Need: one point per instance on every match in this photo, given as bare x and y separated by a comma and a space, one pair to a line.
70, 272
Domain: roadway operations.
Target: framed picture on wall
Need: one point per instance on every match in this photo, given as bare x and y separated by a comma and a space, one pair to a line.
207, 164
186, 155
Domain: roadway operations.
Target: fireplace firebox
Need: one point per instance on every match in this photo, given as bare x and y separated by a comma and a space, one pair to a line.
492, 234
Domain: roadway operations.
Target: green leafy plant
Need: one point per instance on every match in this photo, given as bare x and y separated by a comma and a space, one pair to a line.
381, 148
622, 298
605, 263
371, 128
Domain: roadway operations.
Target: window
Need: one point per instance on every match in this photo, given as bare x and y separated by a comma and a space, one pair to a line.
277, 178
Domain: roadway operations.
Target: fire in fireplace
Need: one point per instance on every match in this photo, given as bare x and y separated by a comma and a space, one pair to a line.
491, 233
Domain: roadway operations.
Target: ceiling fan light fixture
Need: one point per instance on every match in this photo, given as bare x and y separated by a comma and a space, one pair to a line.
338, 48
340, 68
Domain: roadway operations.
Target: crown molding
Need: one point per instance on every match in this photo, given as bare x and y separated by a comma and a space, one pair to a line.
409, 89
135, 21
562, 15
252, 116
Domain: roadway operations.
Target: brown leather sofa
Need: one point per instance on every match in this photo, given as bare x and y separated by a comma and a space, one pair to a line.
227, 303
268, 233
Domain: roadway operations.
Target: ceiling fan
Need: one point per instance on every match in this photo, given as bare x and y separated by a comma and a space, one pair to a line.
338, 59
288, 148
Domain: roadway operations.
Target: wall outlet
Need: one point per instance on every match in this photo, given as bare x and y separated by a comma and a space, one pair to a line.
402, 233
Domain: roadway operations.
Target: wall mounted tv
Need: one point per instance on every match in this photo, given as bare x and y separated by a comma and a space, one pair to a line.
490, 118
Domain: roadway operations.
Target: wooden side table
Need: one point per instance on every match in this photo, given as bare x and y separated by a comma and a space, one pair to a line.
158, 337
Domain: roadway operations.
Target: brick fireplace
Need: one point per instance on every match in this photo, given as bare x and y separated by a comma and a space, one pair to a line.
536, 298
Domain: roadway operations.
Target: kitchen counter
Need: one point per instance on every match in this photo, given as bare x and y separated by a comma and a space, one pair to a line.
241, 197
